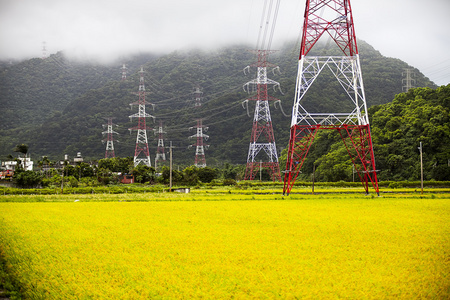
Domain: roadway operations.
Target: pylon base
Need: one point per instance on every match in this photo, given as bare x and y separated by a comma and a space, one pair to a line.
253, 168
357, 140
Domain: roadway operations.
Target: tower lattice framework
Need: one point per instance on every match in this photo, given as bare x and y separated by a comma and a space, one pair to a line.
200, 160
262, 137
333, 17
44, 50
124, 72
409, 81
141, 153
160, 154
109, 152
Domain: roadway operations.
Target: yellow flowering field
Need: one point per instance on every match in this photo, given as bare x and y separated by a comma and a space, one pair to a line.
266, 247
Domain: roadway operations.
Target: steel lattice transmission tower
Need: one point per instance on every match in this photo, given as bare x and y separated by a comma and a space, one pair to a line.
109, 153
262, 137
198, 96
44, 50
141, 153
124, 72
408, 81
160, 154
200, 147
333, 17
200, 160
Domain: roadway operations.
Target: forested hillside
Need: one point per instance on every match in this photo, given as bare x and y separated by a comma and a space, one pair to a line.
398, 127
32, 90
58, 107
421, 115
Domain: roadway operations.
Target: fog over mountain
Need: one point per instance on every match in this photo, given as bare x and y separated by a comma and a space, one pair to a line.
107, 29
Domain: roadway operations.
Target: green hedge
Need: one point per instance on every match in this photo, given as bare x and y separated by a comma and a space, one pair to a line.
135, 188
117, 189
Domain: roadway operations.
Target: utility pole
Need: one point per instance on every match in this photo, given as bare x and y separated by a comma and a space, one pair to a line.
313, 177
62, 175
421, 168
260, 170
170, 169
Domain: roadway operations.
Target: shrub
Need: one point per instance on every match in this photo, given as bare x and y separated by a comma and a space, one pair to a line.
229, 181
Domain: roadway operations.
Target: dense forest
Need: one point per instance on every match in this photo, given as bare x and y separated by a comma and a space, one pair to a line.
57, 106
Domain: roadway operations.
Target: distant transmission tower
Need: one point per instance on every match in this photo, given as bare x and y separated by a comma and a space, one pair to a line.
141, 153
198, 97
200, 160
44, 50
124, 72
408, 81
160, 155
109, 153
333, 18
262, 137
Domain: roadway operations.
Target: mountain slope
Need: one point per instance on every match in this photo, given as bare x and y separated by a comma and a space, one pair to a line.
75, 125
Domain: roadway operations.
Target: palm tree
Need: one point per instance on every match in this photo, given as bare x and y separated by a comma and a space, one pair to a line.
22, 148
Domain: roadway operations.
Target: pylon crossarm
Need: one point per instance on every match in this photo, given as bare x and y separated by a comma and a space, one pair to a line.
328, 119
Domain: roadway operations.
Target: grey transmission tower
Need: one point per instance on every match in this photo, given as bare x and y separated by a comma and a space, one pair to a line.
160, 154
109, 153
408, 81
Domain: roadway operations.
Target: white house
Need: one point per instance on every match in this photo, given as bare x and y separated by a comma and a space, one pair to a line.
26, 162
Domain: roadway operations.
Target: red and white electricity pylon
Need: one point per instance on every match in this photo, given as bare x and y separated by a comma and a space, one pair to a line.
141, 153
109, 153
262, 137
332, 17
200, 160
124, 72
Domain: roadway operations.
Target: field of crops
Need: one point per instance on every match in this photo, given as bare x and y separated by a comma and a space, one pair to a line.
241, 245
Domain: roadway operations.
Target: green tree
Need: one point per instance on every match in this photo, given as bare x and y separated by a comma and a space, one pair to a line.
22, 148
190, 175
27, 179
177, 176
117, 164
144, 173
207, 174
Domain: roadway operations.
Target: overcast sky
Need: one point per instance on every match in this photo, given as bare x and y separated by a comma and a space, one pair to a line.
414, 31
